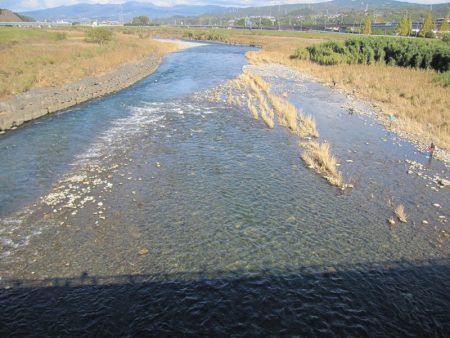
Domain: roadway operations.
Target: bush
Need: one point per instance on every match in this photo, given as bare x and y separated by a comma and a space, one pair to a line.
99, 35
301, 54
417, 53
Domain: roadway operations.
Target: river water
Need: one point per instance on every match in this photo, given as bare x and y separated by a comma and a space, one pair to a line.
158, 211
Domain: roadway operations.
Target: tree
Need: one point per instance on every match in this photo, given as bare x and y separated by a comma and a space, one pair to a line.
99, 35
404, 28
444, 25
427, 26
367, 29
409, 23
141, 20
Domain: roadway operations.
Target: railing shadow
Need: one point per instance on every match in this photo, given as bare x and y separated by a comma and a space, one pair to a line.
402, 299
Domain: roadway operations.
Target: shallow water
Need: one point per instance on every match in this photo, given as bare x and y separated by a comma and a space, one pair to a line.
240, 237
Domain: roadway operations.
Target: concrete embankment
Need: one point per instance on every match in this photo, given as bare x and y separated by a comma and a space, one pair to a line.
39, 102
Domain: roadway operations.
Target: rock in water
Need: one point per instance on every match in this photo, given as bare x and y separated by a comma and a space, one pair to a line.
143, 252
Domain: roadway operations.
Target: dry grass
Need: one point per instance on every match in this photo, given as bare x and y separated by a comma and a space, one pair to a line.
400, 213
252, 107
318, 157
256, 93
307, 126
287, 113
37, 60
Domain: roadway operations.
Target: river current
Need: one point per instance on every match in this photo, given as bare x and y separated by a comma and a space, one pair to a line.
157, 211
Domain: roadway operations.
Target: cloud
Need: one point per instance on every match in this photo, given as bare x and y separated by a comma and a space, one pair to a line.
27, 5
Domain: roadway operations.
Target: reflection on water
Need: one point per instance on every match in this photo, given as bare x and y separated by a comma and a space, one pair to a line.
206, 222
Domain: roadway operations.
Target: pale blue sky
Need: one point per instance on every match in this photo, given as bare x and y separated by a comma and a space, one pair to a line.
24, 5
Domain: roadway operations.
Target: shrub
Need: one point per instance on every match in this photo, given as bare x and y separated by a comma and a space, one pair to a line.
301, 54
416, 53
99, 35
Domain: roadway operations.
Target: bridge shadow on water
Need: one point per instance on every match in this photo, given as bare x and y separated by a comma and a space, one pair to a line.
390, 299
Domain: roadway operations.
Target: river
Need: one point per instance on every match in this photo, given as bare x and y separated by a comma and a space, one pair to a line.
158, 211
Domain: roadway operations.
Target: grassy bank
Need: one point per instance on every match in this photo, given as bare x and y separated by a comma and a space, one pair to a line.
34, 58
418, 100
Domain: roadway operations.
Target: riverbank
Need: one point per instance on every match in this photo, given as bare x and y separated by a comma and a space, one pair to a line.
42, 75
39, 102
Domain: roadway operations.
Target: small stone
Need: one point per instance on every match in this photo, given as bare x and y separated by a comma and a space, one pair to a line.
436, 205
158, 164
391, 221
100, 204
349, 161
143, 252
424, 222
331, 269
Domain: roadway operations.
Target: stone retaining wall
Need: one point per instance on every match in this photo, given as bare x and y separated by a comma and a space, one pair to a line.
39, 102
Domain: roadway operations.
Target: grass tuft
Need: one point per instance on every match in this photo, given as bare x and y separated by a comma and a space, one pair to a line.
307, 126
318, 156
400, 213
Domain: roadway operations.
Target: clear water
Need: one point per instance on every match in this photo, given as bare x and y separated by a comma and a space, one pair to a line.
241, 237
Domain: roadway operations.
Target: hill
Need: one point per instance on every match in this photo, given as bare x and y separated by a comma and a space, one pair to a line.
115, 12
8, 16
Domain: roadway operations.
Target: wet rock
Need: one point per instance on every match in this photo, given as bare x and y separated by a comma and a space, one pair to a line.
331, 269
143, 252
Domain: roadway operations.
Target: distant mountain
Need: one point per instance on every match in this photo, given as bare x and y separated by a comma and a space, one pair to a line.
334, 6
125, 12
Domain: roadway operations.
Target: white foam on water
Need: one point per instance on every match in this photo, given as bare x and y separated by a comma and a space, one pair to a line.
15, 231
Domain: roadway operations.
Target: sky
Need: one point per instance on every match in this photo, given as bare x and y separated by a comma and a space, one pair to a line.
27, 5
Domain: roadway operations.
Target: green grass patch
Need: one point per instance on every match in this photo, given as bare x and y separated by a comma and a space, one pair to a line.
10, 34
443, 78
416, 53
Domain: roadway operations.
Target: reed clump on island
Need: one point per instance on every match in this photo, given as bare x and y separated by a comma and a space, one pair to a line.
259, 94
262, 102
318, 157
401, 213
